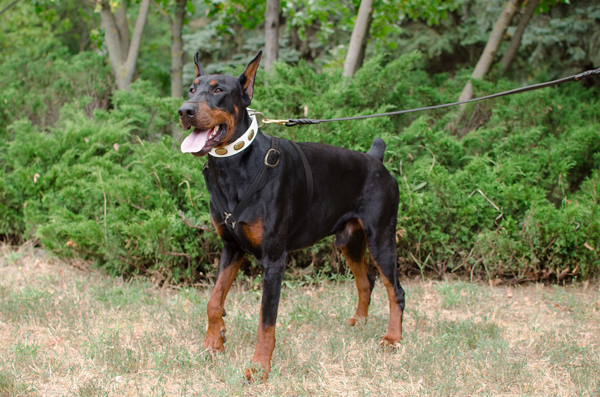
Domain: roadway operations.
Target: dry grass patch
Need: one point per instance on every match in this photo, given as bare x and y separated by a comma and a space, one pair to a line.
71, 332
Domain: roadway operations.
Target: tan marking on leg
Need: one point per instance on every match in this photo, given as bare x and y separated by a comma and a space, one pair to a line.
359, 269
394, 332
254, 232
213, 340
219, 228
265, 344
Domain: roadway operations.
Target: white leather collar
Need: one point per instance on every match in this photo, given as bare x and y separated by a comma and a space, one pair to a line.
240, 144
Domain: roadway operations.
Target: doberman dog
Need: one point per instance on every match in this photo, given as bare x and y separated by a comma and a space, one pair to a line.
286, 196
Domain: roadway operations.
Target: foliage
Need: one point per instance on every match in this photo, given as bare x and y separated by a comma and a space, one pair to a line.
432, 12
28, 27
315, 30
571, 37
92, 187
40, 72
563, 41
516, 196
544, 5
451, 34
96, 175
38, 89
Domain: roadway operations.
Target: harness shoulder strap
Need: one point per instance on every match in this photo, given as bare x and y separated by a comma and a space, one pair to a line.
211, 190
309, 188
259, 182
272, 159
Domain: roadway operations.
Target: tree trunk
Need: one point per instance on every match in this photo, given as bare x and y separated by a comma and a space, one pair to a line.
177, 49
486, 59
123, 29
358, 39
515, 42
271, 33
363, 46
123, 69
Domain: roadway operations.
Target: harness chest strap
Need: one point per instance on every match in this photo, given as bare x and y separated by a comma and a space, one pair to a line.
230, 218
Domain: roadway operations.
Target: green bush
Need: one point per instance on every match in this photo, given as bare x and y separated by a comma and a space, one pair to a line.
38, 89
516, 196
91, 187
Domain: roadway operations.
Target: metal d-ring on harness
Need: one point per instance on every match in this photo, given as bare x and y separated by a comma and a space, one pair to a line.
272, 159
293, 122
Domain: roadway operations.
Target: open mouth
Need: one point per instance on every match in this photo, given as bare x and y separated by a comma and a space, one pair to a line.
200, 142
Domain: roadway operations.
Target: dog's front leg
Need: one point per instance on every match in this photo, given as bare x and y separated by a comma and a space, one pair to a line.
229, 265
265, 336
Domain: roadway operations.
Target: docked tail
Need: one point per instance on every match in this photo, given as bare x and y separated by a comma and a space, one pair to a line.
377, 149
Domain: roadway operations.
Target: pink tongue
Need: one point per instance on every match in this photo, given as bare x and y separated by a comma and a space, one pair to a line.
194, 142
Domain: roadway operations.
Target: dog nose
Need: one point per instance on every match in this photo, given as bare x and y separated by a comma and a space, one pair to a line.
187, 110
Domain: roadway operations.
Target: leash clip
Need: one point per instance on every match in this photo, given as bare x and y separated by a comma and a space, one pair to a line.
265, 120
267, 158
279, 122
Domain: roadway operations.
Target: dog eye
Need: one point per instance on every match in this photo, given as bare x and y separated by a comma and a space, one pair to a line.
218, 90
192, 90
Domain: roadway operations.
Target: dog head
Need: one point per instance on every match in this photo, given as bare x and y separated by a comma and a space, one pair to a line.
216, 105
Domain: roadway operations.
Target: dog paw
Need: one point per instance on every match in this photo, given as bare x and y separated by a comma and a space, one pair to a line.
256, 373
390, 342
356, 320
214, 340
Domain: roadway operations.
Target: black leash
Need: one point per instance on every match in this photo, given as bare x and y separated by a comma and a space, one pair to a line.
293, 122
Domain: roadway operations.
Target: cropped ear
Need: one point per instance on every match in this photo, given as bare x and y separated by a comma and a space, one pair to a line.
199, 70
247, 79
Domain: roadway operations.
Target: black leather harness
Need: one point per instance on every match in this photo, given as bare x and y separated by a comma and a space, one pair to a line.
272, 159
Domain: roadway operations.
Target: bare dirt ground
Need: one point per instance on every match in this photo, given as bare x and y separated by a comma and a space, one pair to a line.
66, 331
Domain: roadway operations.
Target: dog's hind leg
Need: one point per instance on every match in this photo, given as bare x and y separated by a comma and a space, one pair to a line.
353, 244
382, 246
229, 265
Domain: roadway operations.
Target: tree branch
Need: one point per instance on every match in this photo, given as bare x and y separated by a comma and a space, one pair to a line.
187, 222
176, 24
111, 38
271, 32
515, 42
123, 28
161, 10
136, 40
358, 38
8, 6
486, 59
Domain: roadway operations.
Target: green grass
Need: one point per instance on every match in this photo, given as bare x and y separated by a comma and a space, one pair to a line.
458, 293
70, 332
